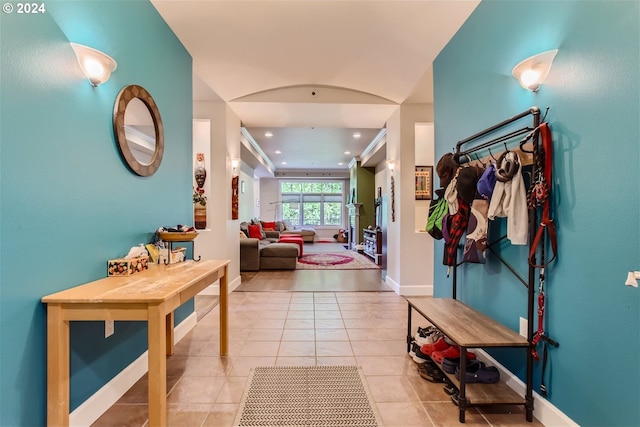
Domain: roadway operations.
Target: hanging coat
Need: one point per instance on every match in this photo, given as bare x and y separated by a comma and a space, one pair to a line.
509, 199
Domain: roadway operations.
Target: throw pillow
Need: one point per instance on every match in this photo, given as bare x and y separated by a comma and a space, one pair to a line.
268, 225
254, 232
256, 221
242, 235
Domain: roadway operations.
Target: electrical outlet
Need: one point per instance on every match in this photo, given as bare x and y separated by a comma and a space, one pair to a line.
524, 326
109, 328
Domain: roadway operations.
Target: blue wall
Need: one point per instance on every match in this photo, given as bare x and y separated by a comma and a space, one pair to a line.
593, 92
68, 202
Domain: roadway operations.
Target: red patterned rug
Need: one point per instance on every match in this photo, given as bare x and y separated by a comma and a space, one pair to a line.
346, 261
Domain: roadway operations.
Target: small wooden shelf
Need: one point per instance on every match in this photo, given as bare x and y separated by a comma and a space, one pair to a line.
373, 244
489, 394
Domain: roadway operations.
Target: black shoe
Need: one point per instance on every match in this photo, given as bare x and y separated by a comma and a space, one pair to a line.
450, 365
418, 356
432, 375
477, 372
450, 389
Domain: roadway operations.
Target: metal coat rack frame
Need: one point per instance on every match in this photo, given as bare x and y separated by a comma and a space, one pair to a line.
479, 142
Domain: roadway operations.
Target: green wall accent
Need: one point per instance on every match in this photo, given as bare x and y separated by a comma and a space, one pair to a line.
362, 179
592, 91
68, 202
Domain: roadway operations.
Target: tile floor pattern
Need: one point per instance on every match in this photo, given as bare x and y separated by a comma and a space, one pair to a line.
302, 328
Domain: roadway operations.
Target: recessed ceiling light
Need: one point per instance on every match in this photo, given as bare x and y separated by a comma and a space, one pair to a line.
357, 135
347, 152
278, 152
268, 134
284, 163
340, 164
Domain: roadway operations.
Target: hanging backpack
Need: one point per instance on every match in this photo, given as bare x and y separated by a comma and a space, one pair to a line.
438, 208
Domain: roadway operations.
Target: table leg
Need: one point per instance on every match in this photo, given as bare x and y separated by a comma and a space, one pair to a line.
224, 314
157, 366
57, 367
169, 326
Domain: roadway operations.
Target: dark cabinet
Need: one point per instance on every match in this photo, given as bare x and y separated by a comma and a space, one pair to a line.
373, 244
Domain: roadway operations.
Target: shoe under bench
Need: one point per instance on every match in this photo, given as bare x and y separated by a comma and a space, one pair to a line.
470, 329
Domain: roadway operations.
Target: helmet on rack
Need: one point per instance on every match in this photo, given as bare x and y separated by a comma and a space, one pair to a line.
507, 166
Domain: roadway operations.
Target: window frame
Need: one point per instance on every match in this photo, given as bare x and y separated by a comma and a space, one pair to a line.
299, 198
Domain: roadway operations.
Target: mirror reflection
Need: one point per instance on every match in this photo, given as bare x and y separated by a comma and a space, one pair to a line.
139, 131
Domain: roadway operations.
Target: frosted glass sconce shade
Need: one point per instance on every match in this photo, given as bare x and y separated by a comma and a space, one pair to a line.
234, 166
96, 65
532, 72
391, 166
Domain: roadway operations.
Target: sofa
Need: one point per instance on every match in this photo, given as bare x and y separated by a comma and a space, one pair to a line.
308, 234
265, 252
284, 227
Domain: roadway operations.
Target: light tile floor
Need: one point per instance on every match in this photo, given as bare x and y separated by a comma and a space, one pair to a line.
302, 328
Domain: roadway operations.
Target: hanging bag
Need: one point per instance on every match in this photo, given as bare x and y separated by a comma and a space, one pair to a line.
438, 208
475, 245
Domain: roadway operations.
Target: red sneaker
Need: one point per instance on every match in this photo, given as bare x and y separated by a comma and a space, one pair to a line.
439, 345
452, 352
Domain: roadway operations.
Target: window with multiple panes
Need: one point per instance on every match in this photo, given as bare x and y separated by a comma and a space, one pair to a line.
312, 203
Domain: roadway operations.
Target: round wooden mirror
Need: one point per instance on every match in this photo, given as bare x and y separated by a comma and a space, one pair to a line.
138, 129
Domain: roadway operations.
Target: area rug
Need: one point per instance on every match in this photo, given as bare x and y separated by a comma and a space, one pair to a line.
307, 396
347, 260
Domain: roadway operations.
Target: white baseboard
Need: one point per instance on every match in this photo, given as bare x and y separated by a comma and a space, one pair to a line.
409, 291
96, 405
543, 410
234, 284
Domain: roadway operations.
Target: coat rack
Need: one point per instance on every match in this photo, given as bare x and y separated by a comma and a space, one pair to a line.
463, 156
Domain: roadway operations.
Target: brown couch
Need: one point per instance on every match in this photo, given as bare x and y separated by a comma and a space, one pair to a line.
308, 234
266, 253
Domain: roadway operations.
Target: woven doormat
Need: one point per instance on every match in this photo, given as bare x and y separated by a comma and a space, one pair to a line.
307, 396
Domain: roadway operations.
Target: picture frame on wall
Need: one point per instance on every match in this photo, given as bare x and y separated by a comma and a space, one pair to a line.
424, 182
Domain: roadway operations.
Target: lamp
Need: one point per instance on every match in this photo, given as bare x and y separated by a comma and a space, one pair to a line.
632, 279
391, 166
532, 72
96, 65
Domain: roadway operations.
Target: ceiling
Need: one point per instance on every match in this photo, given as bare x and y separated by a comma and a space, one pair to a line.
313, 73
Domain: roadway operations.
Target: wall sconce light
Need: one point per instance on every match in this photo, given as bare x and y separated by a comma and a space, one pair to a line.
96, 65
234, 166
632, 279
391, 166
532, 72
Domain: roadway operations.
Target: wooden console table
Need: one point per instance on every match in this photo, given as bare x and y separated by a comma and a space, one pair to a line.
150, 296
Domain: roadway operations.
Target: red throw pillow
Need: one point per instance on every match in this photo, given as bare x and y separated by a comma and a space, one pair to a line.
266, 225
254, 231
